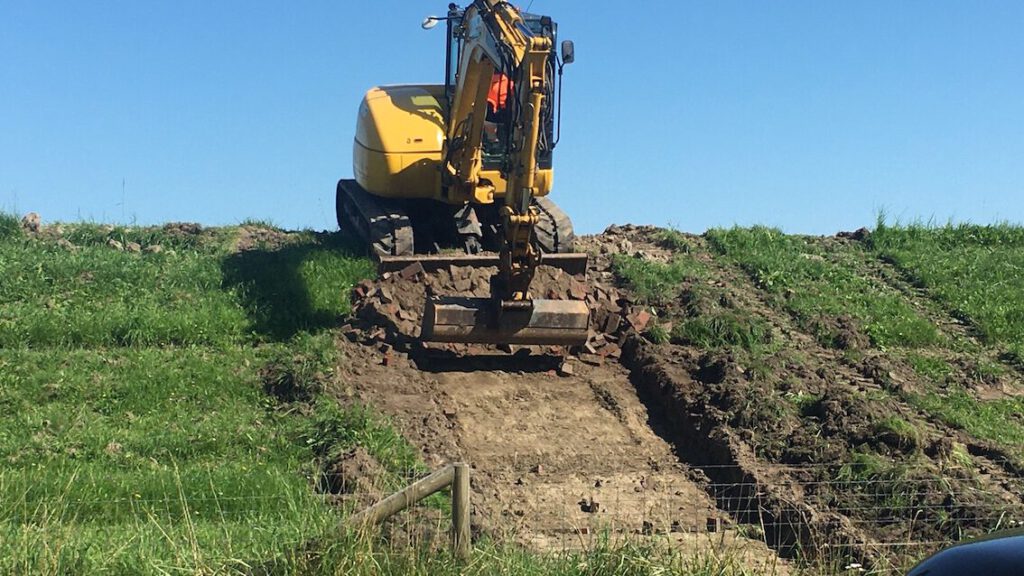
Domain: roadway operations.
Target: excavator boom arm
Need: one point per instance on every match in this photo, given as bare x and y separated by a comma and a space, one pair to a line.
497, 39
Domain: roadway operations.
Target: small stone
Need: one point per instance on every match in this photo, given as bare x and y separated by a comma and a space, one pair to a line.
115, 244
577, 290
133, 247
590, 506
538, 469
153, 249
66, 244
611, 325
639, 320
610, 351
412, 271
31, 222
566, 369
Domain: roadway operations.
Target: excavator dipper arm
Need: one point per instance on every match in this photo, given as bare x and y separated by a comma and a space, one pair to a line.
497, 39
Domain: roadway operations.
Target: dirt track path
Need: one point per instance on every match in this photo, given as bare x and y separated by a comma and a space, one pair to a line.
556, 461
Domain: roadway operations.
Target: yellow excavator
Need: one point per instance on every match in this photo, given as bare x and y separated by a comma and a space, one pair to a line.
468, 163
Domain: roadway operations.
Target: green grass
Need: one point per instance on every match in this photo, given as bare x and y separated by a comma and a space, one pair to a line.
139, 437
996, 420
10, 226
977, 272
798, 271
673, 240
935, 369
655, 283
696, 314
723, 329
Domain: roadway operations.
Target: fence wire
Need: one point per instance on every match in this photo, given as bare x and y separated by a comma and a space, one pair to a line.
806, 514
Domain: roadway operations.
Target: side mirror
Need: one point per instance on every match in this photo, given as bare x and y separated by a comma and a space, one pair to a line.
568, 55
429, 22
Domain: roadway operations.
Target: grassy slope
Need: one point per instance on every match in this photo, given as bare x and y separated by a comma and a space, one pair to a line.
142, 440
139, 438
976, 273
972, 272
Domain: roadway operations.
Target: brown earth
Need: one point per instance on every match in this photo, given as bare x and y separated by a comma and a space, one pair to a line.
804, 445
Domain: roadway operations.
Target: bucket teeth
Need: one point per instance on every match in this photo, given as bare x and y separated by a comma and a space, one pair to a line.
477, 320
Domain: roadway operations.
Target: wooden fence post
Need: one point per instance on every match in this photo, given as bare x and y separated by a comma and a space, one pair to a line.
455, 475
461, 538
403, 499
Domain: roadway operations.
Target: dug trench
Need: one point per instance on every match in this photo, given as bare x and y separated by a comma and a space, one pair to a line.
652, 431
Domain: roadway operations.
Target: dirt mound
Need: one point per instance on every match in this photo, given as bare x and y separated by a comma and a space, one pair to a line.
353, 472
389, 312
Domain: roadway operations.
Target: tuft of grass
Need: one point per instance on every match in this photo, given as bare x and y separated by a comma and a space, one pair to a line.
10, 226
897, 431
673, 240
658, 334
935, 369
810, 286
723, 329
653, 282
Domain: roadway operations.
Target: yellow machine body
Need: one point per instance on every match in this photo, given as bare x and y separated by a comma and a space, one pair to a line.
400, 134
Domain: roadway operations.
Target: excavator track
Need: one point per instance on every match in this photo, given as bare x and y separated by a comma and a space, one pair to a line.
554, 233
380, 223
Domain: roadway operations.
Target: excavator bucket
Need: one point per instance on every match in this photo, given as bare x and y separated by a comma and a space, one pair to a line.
480, 320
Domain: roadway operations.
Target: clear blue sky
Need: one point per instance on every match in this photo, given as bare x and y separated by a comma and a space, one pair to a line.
807, 115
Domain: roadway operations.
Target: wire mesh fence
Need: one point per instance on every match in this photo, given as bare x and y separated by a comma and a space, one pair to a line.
843, 516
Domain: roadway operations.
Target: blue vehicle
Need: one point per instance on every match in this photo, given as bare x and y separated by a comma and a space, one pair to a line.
1000, 554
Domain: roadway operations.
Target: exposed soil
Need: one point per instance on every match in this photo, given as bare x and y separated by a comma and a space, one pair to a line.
805, 445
